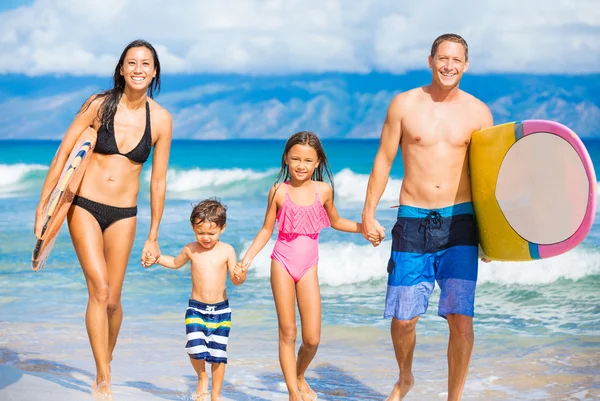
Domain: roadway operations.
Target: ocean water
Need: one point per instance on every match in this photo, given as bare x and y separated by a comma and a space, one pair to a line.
537, 324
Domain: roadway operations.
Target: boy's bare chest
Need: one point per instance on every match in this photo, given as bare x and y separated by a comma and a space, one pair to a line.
207, 261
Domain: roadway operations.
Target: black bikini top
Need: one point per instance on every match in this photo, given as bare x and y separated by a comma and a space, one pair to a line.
106, 143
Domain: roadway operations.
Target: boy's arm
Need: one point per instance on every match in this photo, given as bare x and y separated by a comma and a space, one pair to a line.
236, 274
177, 261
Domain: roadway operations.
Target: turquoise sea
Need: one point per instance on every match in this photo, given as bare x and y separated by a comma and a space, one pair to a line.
537, 324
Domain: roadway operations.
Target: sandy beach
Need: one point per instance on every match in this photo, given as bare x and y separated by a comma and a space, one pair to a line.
352, 363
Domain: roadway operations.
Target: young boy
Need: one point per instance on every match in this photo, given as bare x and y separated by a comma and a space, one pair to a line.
208, 316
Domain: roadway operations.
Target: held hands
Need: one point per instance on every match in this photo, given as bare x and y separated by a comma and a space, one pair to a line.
238, 271
149, 260
373, 231
375, 238
150, 253
241, 267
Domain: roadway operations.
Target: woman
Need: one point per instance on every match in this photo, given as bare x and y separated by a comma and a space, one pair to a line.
102, 219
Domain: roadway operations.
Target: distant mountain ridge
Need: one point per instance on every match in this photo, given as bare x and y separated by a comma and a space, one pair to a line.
333, 105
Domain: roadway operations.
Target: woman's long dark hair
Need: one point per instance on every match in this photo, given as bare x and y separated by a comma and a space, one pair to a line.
312, 140
112, 96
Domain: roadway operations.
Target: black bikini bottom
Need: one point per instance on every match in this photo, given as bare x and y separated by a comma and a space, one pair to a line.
105, 215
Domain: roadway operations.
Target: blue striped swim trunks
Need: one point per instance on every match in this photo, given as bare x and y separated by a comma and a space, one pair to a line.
430, 245
207, 328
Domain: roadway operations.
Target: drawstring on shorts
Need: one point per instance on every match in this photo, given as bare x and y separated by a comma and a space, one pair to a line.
433, 220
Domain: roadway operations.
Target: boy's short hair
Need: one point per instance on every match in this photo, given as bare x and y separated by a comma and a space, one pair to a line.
211, 211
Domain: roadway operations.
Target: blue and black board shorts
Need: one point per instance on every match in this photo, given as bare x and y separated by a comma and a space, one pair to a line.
430, 245
207, 329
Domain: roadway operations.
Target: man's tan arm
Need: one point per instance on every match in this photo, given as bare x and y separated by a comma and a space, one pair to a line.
388, 148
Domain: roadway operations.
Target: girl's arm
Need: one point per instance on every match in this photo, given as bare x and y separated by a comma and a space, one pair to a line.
337, 222
82, 120
236, 275
175, 262
265, 232
158, 182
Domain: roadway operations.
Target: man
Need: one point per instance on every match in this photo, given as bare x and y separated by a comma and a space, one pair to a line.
434, 238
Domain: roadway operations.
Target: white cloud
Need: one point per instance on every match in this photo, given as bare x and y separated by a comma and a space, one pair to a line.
286, 36
40, 117
195, 93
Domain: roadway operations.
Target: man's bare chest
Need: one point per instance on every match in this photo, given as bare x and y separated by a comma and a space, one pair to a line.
451, 127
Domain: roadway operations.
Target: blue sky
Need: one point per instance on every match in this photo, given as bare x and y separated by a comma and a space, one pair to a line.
11, 4
260, 68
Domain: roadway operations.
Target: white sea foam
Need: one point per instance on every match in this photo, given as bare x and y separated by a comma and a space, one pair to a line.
352, 187
574, 265
14, 177
193, 179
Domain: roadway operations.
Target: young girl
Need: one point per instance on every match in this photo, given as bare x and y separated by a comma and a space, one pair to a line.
303, 205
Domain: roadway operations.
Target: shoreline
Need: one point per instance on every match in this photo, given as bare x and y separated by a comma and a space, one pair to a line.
351, 364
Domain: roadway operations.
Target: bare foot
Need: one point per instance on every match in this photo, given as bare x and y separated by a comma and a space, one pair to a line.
306, 392
101, 391
200, 396
401, 388
201, 391
296, 397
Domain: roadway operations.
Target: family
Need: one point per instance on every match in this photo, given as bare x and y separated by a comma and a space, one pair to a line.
434, 238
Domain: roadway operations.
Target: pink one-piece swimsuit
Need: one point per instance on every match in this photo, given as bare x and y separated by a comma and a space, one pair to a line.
297, 245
